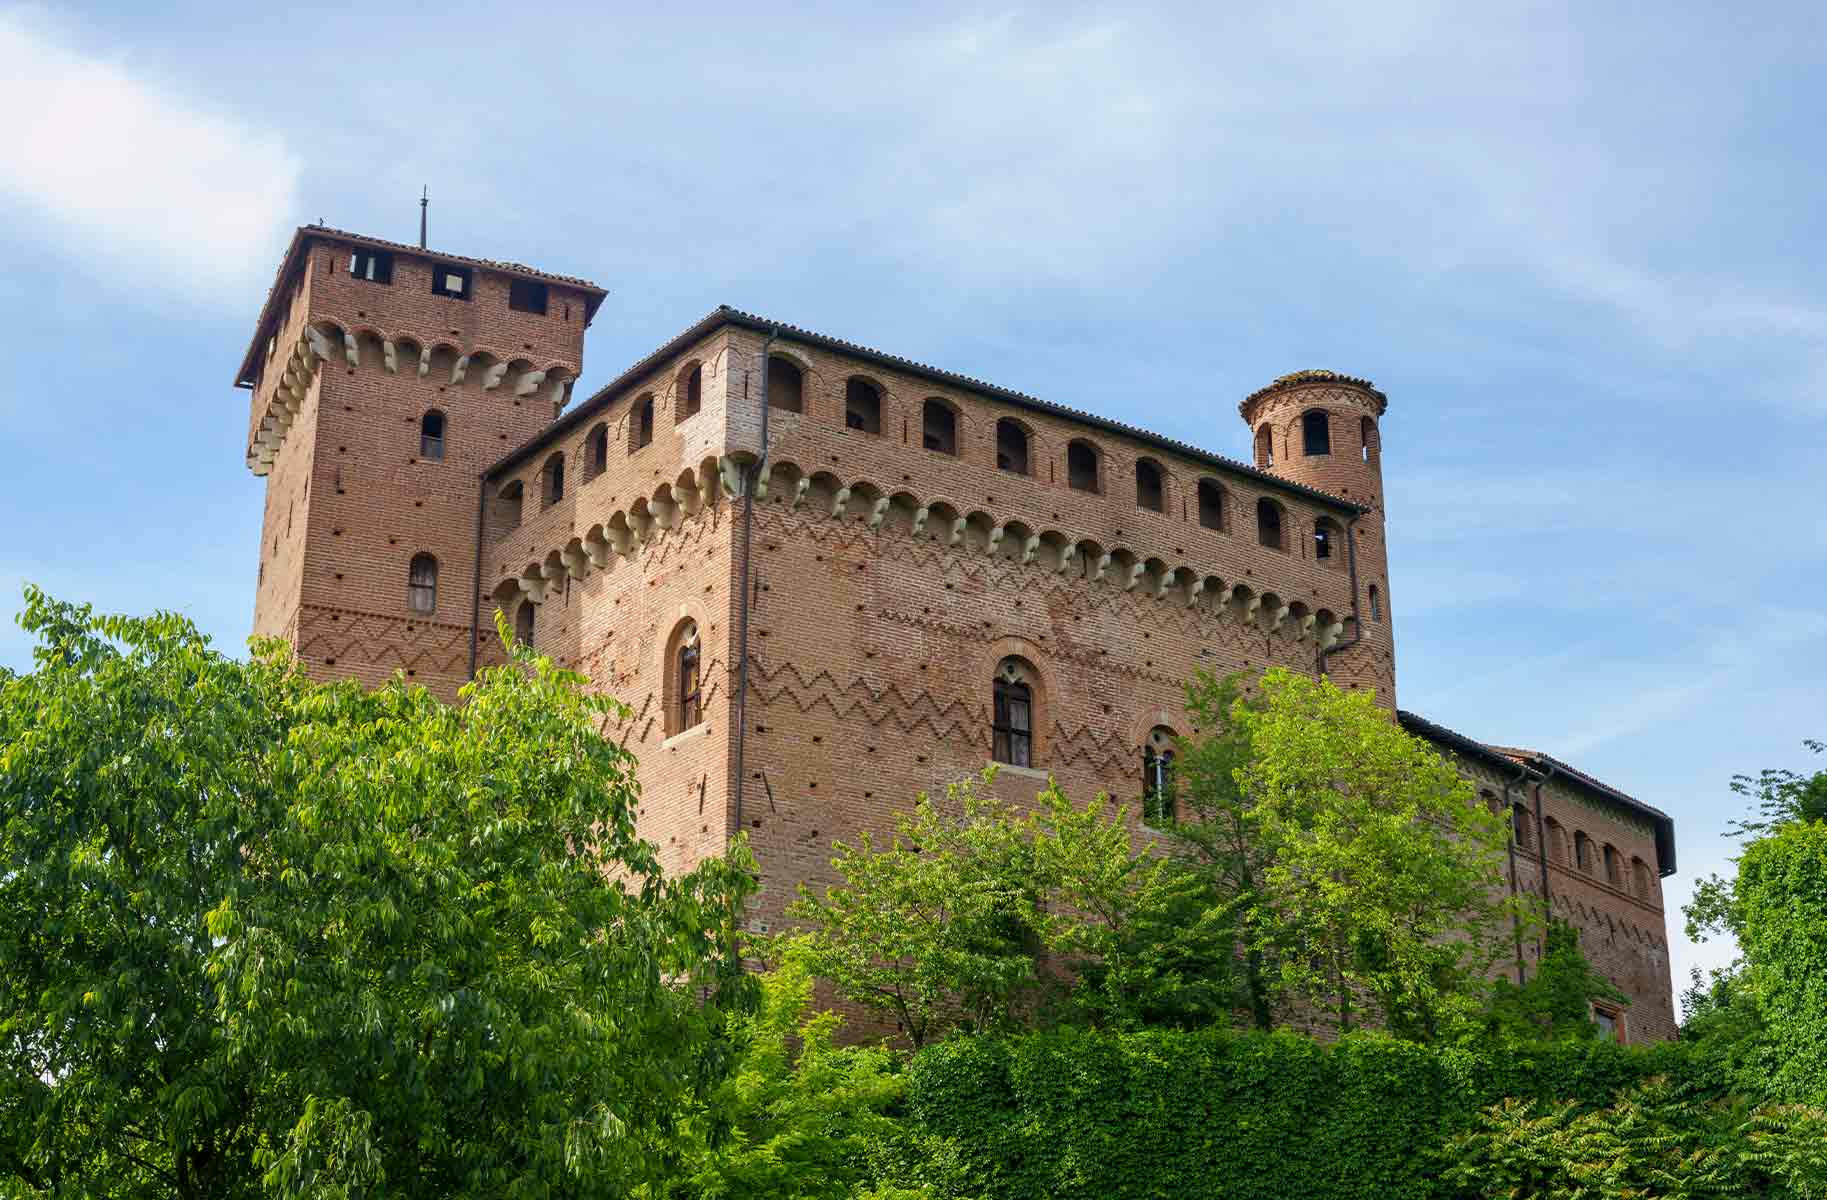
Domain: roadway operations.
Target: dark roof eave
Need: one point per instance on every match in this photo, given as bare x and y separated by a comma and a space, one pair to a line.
725, 315
1422, 727
294, 256
1664, 824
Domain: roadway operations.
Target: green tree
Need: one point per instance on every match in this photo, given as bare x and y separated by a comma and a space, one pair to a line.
1554, 1004
259, 932
1383, 879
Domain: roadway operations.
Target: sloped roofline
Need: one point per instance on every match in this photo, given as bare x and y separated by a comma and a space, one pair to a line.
725, 315
292, 264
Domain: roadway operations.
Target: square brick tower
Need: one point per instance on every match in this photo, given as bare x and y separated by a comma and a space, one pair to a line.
385, 379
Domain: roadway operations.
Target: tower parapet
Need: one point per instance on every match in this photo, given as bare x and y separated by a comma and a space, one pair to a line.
1322, 429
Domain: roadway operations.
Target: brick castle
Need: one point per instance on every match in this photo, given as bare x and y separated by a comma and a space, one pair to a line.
828, 578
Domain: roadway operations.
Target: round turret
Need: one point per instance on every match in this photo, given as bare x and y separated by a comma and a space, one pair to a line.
1321, 429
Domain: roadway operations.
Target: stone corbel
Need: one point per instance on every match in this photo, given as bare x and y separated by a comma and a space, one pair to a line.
996, 535
557, 394
533, 588
1135, 576
492, 378
761, 480
528, 382
1250, 609
351, 351
1068, 554
1030, 548
689, 498
920, 515
317, 344
390, 357
800, 489
957, 534
840, 502
665, 515
1330, 637
643, 526
1192, 592
458, 369
576, 562
729, 472
878, 512
1275, 620
553, 571
424, 361
1103, 565
622, 540
1304, 630
598, 551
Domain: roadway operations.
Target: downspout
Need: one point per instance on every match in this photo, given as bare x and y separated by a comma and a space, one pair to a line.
1509, 811
475, 598
1541, 840
742, 608
1351, 569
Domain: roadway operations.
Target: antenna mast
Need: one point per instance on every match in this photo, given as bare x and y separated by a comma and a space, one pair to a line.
424, 200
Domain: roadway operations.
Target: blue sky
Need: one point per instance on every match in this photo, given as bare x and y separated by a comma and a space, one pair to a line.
1579, 249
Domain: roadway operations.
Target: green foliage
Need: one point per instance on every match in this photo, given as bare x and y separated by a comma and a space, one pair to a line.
806, 1127
262, 934
1554, 1004
1383, 871
1781, 893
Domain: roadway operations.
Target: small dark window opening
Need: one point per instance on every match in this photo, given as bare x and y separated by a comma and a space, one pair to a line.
939, 427
691, 709
596, 451
523, 624
1011, 447
447, 280
786, 386
1322, 541
1081, 467
1211, 505
1157, 785
1013, 723
422, 584
1315, 432
1150, 492
1519, 826
508, 505
1376, 603
1265, 446
694, 390
643, 425
554, 479
375, 266
862, 407
1607, 1021
1268, 523
1614, 875
1367, 434
431, 435
1582, 851
528, 297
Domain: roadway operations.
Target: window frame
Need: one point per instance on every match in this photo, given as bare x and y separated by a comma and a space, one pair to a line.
800, 391
519, 288
641, 424
526, 623
1011, 744
689, 665
441, 272
416, 588
1013, 429
1311, 420
1160, 485
864, 422
927, 407
1158, 800
379, 266
1266, 504
1096, 485
431, 446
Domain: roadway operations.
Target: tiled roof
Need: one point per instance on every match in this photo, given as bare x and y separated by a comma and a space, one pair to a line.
1314, 376
726, 315
295, 253
1540, 766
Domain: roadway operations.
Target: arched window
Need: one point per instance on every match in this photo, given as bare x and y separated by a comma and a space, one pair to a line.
686, 678
862, 406
1315, 432
1582, 851
1265, 446
691, 391
786, 385
1367, 437
1081, 467
640, 435
1158, 777
1211, 504
431, 435
552, 480
1376, 603
1011, 447
507, 506
1640, 883
1520, 827
1012, 719
1557, 841
1328, 541
939, 427
523, 623
596, 452
1614, 866
1268, 523
1151, 489
422, 584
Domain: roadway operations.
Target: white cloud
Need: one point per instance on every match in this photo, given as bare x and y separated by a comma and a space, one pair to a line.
132, 177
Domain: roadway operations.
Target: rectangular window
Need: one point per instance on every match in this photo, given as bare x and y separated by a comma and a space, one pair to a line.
375, 266
526, 296
447, 280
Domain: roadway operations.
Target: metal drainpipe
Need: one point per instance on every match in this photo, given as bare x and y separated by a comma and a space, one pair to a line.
1351, 568
1541, 841
475, 599
1515, 918
748, 535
